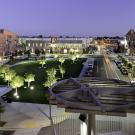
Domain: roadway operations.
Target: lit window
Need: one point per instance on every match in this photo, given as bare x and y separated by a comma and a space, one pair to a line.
32, 50
40, 44
29, 44
65, 50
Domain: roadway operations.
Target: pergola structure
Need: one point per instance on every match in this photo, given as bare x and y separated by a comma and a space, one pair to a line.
93, 96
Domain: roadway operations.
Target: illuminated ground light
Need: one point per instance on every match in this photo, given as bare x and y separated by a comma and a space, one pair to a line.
15, 94
32, 88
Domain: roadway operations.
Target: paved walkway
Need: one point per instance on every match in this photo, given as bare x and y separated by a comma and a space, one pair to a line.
4, 89
28, 117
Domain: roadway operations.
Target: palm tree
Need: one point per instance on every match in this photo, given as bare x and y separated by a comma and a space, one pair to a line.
9, 75
61, 60
17, 82
42, 61
29, 78
62, 70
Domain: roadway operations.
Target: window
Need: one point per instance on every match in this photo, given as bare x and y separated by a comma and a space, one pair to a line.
65, 50
28, 44
41, 44
36, 44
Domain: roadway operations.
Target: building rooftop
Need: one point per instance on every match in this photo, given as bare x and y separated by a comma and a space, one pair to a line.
69, 41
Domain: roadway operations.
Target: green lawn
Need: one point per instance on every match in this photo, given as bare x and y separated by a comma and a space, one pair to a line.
40, 93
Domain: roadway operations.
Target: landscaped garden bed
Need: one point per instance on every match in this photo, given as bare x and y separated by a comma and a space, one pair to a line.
40, 93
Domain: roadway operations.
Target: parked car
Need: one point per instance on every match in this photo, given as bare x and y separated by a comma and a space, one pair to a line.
117, 62
90, 69
123, 68
133, 82
124, 72
90, 65
119, 65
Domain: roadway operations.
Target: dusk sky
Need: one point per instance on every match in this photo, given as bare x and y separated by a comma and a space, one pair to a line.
68, 17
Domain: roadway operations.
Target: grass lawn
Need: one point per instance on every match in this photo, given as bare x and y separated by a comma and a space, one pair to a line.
40, 93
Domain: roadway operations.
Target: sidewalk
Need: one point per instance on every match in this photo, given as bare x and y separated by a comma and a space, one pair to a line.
28, 117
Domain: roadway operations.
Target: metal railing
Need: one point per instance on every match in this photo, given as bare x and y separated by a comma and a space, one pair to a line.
70, 124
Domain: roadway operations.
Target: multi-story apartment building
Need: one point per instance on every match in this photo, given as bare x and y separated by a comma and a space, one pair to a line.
8, 42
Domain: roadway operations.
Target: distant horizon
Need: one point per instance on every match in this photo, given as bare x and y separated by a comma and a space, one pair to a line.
65, 36
70, 35
65, 17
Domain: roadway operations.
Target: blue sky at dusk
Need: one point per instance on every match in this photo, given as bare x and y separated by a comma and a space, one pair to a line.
68, 17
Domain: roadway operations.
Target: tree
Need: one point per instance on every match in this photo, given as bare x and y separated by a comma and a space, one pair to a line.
37, 52
73, 58
28, 53
29, 78
42, 61
17, 82
56, 56
125, 61
3, 70
9, 75
51, 77
51, 72
50, 81
61, 60
20, 52
77, 56
129, 65
133, 71
62, 70
42, 51
11, 58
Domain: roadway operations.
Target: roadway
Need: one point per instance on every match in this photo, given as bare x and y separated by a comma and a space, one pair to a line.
111, 69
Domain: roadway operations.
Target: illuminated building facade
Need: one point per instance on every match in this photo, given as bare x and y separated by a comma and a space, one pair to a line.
67, 46
53, 45
40, 44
